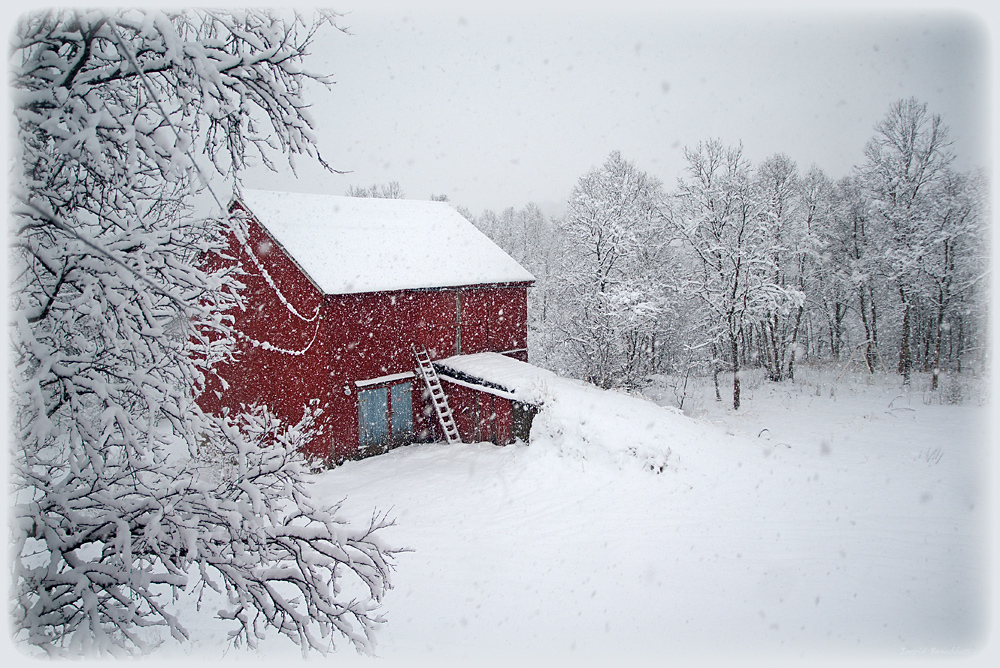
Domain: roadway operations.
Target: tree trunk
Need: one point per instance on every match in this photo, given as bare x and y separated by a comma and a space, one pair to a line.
733, 338
839, 313
795, 339
869, 331
745, 349
937, 349
951, 345
834, 351
684, 389
959, 347
716, 371
764, 346
873, 349
776, 375
933, 332
905, 359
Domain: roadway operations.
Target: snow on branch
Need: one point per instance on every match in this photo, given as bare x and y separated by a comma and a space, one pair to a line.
124, 491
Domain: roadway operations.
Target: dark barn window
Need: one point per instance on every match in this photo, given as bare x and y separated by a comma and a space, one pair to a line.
385, 416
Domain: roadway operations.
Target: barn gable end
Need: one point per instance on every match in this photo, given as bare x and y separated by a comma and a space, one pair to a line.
340, 340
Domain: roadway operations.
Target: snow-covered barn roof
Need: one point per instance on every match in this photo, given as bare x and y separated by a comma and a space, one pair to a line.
354, 244
497, 374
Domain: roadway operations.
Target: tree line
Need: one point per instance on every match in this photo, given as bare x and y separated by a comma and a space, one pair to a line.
763, 266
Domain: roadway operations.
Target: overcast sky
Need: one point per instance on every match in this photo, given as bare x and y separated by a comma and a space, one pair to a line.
500, 107
497, 108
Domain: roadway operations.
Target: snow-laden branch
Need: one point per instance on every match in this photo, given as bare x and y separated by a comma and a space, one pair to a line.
124, 491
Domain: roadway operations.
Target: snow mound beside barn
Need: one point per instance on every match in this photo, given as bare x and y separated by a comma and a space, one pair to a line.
584, 422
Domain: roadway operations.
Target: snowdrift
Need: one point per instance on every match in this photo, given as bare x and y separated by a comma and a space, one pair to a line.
584, 422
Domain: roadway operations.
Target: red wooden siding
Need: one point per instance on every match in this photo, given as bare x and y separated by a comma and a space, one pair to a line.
480, 416
494, 321
371, 335
288, 379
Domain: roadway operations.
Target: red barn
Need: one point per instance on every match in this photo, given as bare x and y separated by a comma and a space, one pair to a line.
339, 293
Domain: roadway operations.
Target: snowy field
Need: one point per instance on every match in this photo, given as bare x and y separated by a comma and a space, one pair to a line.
822, 521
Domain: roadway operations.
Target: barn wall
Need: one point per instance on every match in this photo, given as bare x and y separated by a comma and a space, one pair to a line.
463, 406
501, 409
371, 335
480, 416
494, 319
281, 358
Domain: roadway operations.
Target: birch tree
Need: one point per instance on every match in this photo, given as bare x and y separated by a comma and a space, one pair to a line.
115, 507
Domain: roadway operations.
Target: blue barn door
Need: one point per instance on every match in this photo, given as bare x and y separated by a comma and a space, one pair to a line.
402, 413
373, 413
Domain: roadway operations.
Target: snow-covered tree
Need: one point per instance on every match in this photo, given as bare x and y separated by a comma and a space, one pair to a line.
786, 220
905, 162
951, 266
726, 227
531, 238
749, 265
827, 286
611, 307
115, 507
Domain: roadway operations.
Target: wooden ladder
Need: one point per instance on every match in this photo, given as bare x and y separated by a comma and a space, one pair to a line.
438, 397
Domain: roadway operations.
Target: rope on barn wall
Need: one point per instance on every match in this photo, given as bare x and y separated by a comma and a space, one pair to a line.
265, 345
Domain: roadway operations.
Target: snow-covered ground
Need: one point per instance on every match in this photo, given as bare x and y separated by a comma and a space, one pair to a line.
823, 520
